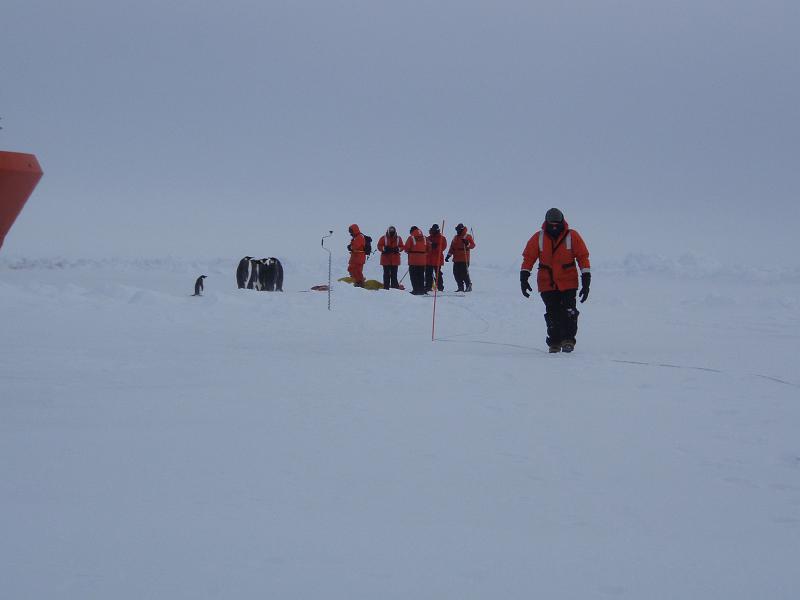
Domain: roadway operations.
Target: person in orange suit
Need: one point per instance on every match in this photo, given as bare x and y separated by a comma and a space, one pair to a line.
357, 256
459, 251
416, 247
557, 248
390, 246
433, 269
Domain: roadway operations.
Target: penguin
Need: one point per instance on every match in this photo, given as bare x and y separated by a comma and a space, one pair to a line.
278, 275
243, 271
266, 275
252, 283
198, 286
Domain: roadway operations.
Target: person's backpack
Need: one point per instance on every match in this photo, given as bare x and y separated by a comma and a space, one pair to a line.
367, 245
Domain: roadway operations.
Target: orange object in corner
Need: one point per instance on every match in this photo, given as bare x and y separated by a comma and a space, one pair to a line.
19, 174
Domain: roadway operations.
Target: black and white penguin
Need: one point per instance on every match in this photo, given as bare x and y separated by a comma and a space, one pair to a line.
266, 275
252, 283
242, 271
271, 274
198, 286
278, 275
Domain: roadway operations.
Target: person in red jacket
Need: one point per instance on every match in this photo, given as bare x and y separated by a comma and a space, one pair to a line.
557, 248
390, 246
357, 256
433, 269
416, 247
459, 251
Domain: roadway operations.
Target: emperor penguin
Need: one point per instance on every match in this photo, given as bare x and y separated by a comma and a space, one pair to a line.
252, 282
242, 271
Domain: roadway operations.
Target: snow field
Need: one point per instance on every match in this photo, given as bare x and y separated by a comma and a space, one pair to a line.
250, 444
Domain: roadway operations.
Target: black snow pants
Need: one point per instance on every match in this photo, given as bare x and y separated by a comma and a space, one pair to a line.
390, 277
461, 273
561, 316
430, 274
417, 277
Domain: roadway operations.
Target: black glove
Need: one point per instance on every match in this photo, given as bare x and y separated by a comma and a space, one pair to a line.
447, 258
523, 281
349, 249
466, 241
586, 279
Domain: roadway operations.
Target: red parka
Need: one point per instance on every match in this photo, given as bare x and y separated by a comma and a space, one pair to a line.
556, 259
390, 249
436, 254
460, 247
357, 256
417, 248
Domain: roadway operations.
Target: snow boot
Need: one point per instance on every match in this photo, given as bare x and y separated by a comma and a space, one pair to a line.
469, 287
554, 349
568, 345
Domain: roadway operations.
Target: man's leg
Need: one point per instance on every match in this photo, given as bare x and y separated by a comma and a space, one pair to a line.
553, 317
357, 273
458, 274
569, 320
418, 279
387, 276
393, 277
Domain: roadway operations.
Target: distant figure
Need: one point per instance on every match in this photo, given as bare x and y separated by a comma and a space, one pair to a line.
416, 247
357, 255
557, 248
198, 286
243, 271
437, 244
459, 252
390, 246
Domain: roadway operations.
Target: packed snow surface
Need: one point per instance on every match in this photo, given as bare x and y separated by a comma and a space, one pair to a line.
254, 445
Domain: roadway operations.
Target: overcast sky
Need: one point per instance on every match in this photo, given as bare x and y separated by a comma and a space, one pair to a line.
197, 128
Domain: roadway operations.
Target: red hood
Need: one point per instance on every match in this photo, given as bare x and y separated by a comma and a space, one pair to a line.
417, 232
354, 230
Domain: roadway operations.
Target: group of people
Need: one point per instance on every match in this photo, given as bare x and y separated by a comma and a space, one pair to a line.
425, 257
560, 251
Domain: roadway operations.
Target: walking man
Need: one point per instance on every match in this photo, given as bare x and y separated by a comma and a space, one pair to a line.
557, 248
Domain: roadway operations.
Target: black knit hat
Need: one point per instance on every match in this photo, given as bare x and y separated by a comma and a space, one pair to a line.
554, 216
434, 228
459, 228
